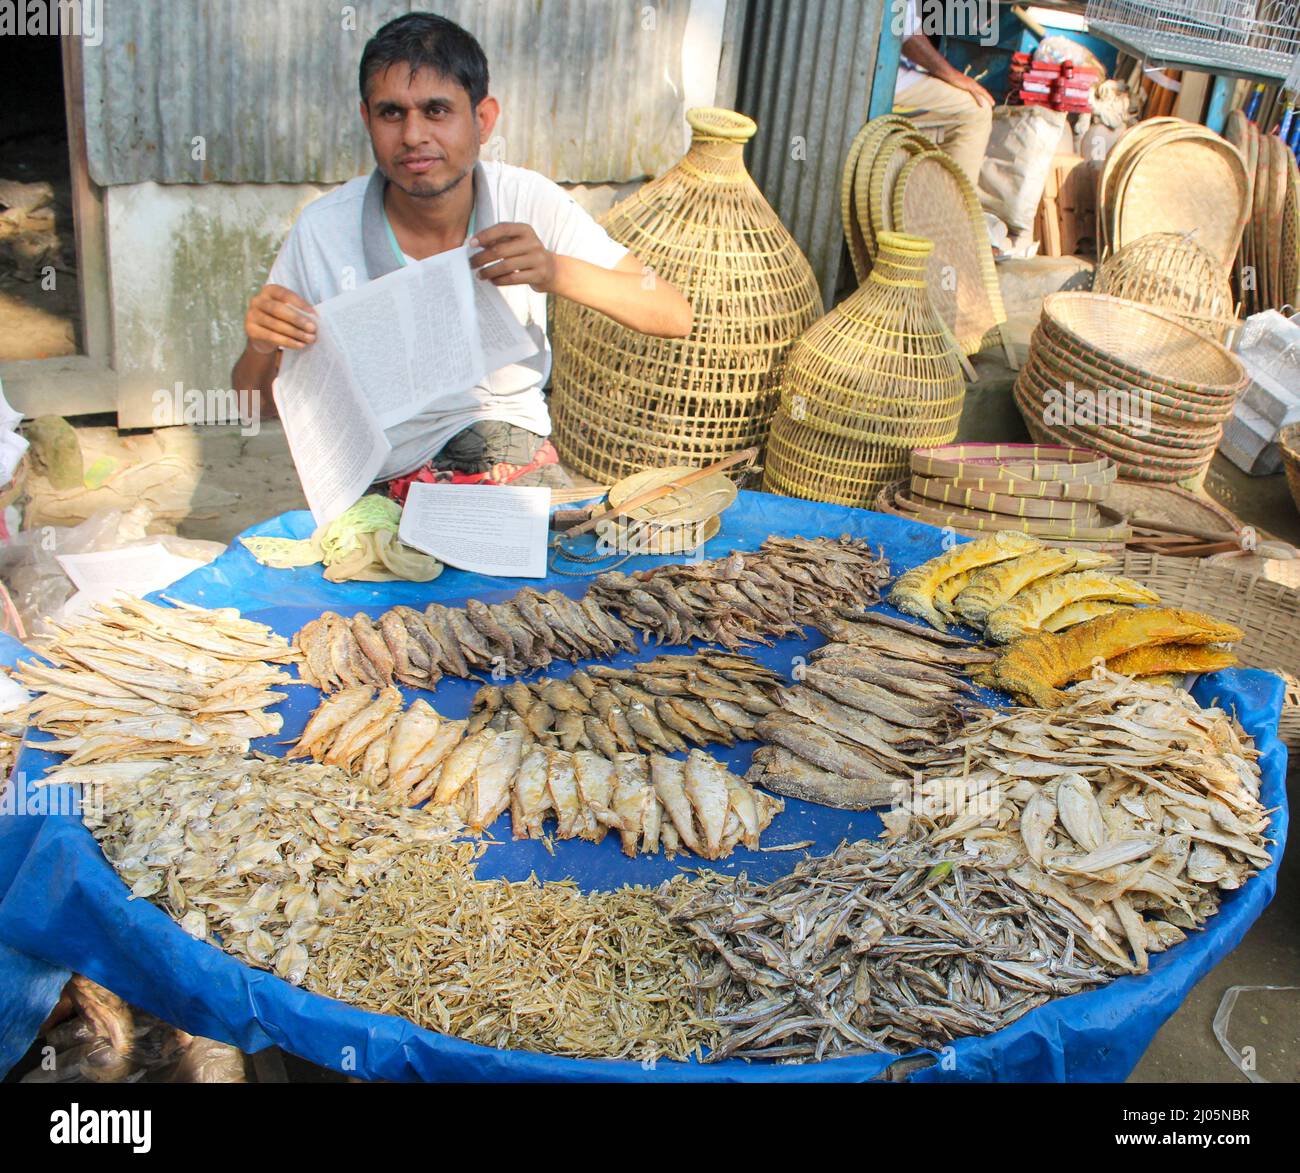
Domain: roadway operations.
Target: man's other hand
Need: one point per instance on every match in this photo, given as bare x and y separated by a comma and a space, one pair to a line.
277, 317
512, 255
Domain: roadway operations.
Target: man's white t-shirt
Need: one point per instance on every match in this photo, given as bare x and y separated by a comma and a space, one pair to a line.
323, 256
909, 73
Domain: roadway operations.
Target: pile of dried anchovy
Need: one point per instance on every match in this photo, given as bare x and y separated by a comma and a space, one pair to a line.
1131, 805
872, 708
667, 704
744, 597
531, 966
258, 852
877, 948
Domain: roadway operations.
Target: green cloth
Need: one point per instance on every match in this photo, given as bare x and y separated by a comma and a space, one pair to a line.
360, 545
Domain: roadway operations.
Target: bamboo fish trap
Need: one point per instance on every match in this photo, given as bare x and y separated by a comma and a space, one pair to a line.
877, 377
622, 401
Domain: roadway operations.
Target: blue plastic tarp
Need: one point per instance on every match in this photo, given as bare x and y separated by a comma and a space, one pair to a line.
29, 988
62, 902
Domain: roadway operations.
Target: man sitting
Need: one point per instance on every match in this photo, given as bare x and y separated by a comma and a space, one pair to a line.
426, 106
941, 100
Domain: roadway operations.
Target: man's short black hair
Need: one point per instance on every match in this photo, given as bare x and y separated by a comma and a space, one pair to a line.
422, 40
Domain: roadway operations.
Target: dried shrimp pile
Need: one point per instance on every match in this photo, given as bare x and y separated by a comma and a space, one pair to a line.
542, 967
259, 853
1132, 807
667, 704
876, 948
744, 598
142, 681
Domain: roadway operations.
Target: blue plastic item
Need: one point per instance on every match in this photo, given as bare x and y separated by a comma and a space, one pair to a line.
62, 902
29, 988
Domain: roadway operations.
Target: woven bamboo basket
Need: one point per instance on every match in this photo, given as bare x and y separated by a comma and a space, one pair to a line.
1173, 273
1267, 612
623, 401
877, 377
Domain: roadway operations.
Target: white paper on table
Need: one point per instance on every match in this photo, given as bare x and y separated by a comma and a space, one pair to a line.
98, 575
487, 529
337, 444
424, 332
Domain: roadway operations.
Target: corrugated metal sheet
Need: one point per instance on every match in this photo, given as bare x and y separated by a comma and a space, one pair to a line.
591, 89
806, 77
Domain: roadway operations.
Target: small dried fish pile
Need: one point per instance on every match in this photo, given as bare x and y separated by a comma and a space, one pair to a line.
527, 966
667, 704
142, 681
1009, 585
420, 648
253, 854
743, 597
1131, 806
1143, 641
876, 948
651, 802
869, 711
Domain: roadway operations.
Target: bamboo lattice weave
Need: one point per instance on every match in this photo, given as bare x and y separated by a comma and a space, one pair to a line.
623, 401
877, 377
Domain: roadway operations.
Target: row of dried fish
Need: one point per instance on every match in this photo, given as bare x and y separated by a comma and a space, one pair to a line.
652, 802
1010, 585
666, 704
745, 597
255, 853
1130, 806
877, 948
418, 649
526, 966
1140, 641
868, 711
137, 680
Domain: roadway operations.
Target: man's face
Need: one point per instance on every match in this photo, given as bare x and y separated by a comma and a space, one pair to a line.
425, 135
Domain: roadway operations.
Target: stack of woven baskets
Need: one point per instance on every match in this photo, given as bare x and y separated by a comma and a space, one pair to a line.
897, 180
1268, 264
622, 401
1170, 175
1055, 493
1131, 382
1172, 272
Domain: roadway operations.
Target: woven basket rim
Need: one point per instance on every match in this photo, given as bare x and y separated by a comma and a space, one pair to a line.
1056, 308
720, 123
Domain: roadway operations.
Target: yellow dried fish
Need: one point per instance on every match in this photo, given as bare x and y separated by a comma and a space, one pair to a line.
1079, 612
996, 585
914, 592
1026, 612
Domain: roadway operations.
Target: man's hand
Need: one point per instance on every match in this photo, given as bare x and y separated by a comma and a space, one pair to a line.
963, 81
279, 317
512, 255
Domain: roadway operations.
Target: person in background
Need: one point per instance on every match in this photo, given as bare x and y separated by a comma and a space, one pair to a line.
939, 98
426, 107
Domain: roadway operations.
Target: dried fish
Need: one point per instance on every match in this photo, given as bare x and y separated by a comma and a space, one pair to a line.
877, 948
